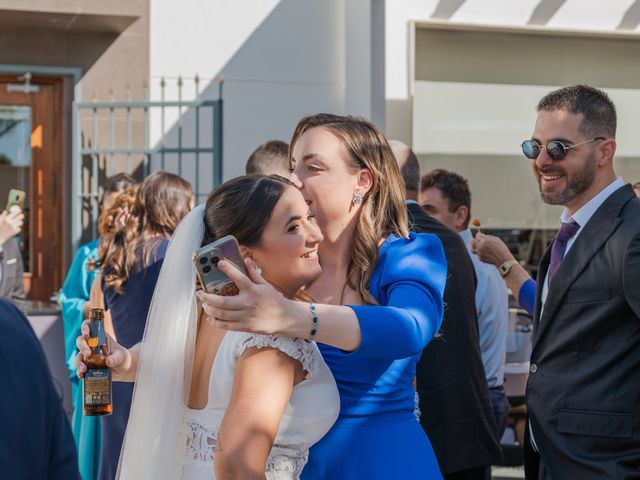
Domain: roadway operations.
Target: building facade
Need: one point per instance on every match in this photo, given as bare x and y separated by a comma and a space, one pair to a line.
456, 79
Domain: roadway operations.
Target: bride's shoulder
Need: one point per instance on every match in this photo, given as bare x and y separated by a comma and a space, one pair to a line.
303, 351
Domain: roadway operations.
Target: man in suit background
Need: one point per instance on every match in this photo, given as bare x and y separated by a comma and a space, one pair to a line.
454, 400
446, 196
36, 441
11, 267
583, 393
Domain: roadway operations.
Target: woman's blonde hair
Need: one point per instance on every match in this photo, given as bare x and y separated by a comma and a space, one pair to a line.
383, 210
111, 250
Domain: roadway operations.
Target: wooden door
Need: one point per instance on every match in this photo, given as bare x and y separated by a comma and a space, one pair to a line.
43, 235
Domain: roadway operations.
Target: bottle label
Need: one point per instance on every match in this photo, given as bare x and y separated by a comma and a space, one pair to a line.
97, 387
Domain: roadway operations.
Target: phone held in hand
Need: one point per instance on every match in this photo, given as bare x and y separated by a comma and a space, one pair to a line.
206, 261
15, 197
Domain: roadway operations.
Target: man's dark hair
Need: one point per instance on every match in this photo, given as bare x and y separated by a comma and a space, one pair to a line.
269, 158
597, 109
637, 185
454, 188
411, 172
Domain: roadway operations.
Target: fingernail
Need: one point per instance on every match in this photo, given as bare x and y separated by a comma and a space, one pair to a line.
199, 293
210, 320
222, 263
110, 362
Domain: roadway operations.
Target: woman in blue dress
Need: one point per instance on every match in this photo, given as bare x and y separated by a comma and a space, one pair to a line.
74, 300
379, 301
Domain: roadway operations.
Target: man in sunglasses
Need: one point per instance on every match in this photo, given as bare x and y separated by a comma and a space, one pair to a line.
583, 393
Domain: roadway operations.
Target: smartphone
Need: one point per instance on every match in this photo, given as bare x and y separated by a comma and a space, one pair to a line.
15, 197
206, 261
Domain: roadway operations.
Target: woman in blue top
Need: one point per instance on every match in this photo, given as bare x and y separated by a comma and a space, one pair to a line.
391, 283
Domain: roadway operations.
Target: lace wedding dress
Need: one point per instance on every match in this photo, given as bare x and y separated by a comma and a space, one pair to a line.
311, 411
165, 440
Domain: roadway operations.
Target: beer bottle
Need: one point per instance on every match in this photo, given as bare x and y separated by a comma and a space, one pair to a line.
97, 378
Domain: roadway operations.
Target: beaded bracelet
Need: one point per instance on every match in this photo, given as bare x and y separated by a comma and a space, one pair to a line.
314, 321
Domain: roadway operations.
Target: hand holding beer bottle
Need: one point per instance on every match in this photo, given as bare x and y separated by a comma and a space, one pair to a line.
123, 362
97, 378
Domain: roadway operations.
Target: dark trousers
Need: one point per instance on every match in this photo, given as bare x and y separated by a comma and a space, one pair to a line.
475, 473
534, 469
500, 406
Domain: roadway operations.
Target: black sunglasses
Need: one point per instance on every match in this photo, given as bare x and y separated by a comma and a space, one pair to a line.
556, 149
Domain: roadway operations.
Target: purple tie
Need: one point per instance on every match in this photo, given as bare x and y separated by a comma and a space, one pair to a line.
567, 231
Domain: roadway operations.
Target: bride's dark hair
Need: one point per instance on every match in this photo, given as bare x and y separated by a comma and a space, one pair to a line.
242, 207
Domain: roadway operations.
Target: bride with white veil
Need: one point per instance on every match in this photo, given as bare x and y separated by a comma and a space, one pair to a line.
215, 404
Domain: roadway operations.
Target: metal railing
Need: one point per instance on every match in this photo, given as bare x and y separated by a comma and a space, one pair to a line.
191, 147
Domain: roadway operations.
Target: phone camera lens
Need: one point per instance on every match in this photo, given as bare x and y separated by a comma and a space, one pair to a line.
215, 260
206, 269
203, 260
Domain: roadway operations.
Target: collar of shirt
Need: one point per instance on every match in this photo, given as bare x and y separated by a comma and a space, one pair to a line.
581, 217
466, 236
411, 202
584, 214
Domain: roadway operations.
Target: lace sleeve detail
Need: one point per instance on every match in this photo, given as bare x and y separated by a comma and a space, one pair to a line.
301, 350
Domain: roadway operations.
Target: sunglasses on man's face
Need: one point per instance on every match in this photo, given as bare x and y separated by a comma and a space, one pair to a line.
556, 149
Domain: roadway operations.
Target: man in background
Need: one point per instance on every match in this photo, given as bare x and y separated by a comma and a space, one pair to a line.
583, 394
270, 158
453, 395
446, 196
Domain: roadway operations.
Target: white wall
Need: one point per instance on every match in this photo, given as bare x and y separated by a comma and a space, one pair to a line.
588, 15
280, 60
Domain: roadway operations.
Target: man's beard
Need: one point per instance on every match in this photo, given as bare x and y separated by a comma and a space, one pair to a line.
580, 183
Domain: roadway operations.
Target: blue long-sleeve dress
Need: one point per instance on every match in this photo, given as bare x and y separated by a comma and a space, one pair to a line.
73, 296
377, 435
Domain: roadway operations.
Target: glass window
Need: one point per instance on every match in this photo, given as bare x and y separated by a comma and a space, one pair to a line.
15, 162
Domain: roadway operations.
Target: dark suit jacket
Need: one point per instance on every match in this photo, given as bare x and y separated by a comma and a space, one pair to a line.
11, 265
454, 396
35, 439
583, 394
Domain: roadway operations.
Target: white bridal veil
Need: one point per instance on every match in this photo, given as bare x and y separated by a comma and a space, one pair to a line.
152, 445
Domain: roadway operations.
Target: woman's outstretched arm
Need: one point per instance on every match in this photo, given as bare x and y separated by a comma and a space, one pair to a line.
410, 286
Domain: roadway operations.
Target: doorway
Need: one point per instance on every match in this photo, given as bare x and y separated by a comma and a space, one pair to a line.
31, 159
